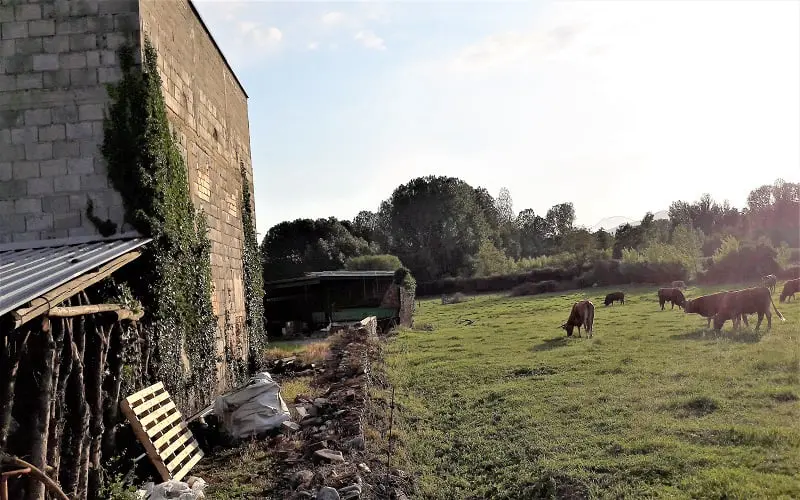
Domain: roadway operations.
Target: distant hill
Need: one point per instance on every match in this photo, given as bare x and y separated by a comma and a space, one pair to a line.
611, 224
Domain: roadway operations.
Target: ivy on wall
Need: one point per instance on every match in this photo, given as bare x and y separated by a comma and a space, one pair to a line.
173, 276
253, 280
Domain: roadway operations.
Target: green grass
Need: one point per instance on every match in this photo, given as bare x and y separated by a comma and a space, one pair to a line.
653, 406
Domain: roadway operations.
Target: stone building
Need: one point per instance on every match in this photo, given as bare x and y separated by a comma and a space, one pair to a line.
56, 58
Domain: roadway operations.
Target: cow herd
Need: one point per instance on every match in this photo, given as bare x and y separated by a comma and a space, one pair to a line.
729, 305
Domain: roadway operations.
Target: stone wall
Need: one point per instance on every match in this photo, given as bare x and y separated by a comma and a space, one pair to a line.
55, 58
208, 109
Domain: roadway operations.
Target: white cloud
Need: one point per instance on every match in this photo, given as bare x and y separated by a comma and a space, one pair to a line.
332, 18
508, 48
261, 36
313, 46
370, 40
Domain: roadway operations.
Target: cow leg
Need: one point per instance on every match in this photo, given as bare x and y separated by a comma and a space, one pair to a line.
744, 318
769, 320
708, 324
672, 305
662, 304
760, 319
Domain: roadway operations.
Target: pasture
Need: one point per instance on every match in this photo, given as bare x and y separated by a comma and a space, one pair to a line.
654, 405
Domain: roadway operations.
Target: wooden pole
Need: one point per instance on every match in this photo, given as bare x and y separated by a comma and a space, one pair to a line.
40, 428
7, 390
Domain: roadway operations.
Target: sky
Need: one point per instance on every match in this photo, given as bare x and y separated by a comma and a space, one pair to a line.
620, 107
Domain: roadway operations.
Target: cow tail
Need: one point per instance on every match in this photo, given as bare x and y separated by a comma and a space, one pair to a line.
591, 319
780, 316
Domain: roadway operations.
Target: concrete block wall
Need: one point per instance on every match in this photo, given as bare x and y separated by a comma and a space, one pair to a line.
55, 58
208, 110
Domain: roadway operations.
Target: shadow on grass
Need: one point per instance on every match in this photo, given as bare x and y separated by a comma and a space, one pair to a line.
741, 336
550, 344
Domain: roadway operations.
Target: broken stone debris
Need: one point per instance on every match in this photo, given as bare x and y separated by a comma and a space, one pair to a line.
328, 455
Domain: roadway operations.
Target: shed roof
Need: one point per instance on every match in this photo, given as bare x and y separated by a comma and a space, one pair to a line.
314, 277
32, 268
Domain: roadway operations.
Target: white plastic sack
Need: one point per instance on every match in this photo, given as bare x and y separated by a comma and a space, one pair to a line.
253, 409
172, 489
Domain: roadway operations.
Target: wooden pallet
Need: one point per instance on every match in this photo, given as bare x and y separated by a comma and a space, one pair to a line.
160, 428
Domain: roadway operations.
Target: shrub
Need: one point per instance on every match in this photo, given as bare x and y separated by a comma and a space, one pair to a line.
729, 245
784, 255
741, 262
491, 261
534, 288
382, 262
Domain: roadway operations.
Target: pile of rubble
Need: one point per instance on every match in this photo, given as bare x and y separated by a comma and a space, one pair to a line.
322, 452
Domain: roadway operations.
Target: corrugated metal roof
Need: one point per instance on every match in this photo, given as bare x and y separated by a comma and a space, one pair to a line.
31, 269
317, 276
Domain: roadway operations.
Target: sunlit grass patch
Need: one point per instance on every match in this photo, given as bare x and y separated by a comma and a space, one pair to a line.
656, 405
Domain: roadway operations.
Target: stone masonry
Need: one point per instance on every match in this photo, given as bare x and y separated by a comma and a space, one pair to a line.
56, 57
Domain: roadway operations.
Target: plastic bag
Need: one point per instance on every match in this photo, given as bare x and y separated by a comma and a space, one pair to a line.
255, 408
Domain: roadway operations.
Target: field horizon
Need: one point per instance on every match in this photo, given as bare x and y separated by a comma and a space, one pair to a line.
495, 401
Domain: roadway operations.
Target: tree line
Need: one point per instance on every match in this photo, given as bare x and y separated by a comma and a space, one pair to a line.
441, 227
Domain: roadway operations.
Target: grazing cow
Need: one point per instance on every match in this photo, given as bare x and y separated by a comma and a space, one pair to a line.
615, 297
789, 289
679, 284
582, 314
707, 306
672, 295
736, 304
770, 281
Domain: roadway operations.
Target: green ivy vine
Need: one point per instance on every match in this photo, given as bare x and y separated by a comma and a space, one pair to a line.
253, 280
173, 277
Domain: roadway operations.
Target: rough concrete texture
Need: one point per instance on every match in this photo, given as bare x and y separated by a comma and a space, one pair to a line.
56, 57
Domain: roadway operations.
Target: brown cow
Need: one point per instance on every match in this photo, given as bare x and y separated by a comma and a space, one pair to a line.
707, 306
614, 297
672, 295
582, 314
770, 281
736, 304
789, 289
679, 284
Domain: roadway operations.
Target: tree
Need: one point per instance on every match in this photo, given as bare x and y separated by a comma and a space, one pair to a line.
560, 219
532, 233
436, 224
291, 248
603, 239
505, 206
366, 225
580, 242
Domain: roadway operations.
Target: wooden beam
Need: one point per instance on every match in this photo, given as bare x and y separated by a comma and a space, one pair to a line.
121, 311
68, 312
45, 303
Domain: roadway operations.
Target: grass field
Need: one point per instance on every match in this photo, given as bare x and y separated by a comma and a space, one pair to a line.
653, 406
